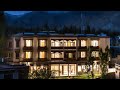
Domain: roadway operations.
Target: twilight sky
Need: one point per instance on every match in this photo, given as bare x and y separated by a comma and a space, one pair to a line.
17, 12
23, 12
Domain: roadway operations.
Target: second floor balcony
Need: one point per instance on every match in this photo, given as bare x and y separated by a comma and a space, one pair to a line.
28, 48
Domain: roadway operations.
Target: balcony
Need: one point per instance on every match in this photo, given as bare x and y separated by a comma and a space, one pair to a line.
27, 60
82, 59
53, 47
94, 47
42, 48
42, 59
72, 47
28, 48
56, 59
69, 59
83, 48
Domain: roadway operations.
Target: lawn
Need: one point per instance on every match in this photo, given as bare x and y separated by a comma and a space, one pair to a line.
82, 76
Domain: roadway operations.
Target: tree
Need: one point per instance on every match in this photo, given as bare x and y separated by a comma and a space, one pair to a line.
90, 61
104, 61
44, 73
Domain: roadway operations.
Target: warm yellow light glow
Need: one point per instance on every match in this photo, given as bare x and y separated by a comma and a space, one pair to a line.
57, 55
52, 43
28, 43
70, 55
57, 43
28, 55
42, 54
69, 43
83, 54
83, 43
42, 43
65, 43
94, 43
95, 53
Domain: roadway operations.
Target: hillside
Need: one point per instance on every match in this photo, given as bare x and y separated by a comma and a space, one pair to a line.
97, 19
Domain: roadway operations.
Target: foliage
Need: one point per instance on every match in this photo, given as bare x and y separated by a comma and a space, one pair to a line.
44, 73
104, 60
90, 61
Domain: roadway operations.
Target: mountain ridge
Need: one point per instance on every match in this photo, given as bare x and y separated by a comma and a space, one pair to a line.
96, 19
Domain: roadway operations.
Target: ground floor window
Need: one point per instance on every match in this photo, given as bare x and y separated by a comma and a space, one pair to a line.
64, 69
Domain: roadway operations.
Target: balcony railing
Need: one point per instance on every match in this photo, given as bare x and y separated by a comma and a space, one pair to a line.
42, 59
94, 47
82, 59
28, 48
85, 47
56, 58
27, 60
53, 47
69, 59
70, 47
42, 48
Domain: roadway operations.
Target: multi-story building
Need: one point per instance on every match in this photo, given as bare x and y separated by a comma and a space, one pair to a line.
66, 54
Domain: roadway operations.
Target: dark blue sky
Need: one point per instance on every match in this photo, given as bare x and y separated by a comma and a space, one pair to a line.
17, 12
23, 12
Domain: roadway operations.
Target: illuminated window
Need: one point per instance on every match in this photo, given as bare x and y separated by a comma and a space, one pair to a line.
72, 69
83, 54
64, 69
94, 43
83, 43
52, 43
28, 43
65, 43
52, 55
28, 55
70, 55
95, 54
55, 70
57, 43
61, 43
42, 43
57, 55
69, 43
42, 54
73, 43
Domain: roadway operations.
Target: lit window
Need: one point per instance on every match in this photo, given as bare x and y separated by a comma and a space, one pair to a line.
70, 55
64, 70
42, 54
28, 43
28, 55
61, 43
83, 54
52, 43
72, 69
52, 55
65, 43
57, 55
95, 54
73, 43
69, 43
83, 43
94, 43
57, 43
55, 70
42, 43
